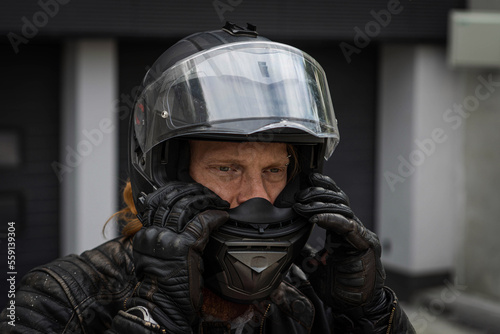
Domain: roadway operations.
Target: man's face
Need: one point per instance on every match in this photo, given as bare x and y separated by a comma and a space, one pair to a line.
240, 171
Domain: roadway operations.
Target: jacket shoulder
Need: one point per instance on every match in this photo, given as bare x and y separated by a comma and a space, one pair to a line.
75, 293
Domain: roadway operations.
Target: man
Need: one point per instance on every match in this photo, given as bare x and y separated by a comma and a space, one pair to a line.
226, 145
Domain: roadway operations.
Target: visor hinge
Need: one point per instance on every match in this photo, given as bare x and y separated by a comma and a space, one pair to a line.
237, 30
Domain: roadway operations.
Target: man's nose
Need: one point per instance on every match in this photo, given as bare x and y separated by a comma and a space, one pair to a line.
253, 187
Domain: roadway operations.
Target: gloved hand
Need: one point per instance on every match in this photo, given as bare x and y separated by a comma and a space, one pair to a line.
168, 253
348, 271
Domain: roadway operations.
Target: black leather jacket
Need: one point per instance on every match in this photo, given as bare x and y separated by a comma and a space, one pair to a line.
82, 294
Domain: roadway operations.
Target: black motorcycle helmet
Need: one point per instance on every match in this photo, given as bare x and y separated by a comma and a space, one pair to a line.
234, 85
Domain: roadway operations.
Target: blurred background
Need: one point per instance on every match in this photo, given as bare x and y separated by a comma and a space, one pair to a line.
416, 90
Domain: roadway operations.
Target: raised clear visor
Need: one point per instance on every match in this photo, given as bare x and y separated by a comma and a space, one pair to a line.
239, 88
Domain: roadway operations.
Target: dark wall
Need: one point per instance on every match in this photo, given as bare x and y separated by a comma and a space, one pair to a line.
354, 93
29, 128
315, 20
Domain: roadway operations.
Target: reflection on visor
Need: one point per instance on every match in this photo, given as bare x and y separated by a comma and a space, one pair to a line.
209, 100
238, 88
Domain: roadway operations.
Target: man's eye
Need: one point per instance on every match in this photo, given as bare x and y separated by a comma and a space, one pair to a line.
224, 168
275, 170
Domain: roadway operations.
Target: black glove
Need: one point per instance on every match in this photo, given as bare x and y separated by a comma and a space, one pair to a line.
348, 272
168, 253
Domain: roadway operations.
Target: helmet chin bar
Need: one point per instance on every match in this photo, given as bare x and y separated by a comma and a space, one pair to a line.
247, 257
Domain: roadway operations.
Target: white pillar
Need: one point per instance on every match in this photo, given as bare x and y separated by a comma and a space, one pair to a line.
87, 168
419, 179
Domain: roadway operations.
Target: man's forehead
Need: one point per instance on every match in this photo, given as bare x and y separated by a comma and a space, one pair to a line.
221, 149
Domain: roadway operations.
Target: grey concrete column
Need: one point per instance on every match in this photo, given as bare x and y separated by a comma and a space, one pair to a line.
88, 164
478, 263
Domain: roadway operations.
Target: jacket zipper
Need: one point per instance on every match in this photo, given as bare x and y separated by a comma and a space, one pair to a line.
264, 319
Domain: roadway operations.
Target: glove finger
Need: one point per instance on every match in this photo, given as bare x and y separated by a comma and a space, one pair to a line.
187, 208
160, 216
152, 203
161, 199
319, 194
310, 209
160, 203
323, 181
178, 191
204, 224
352, 231
156, 197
